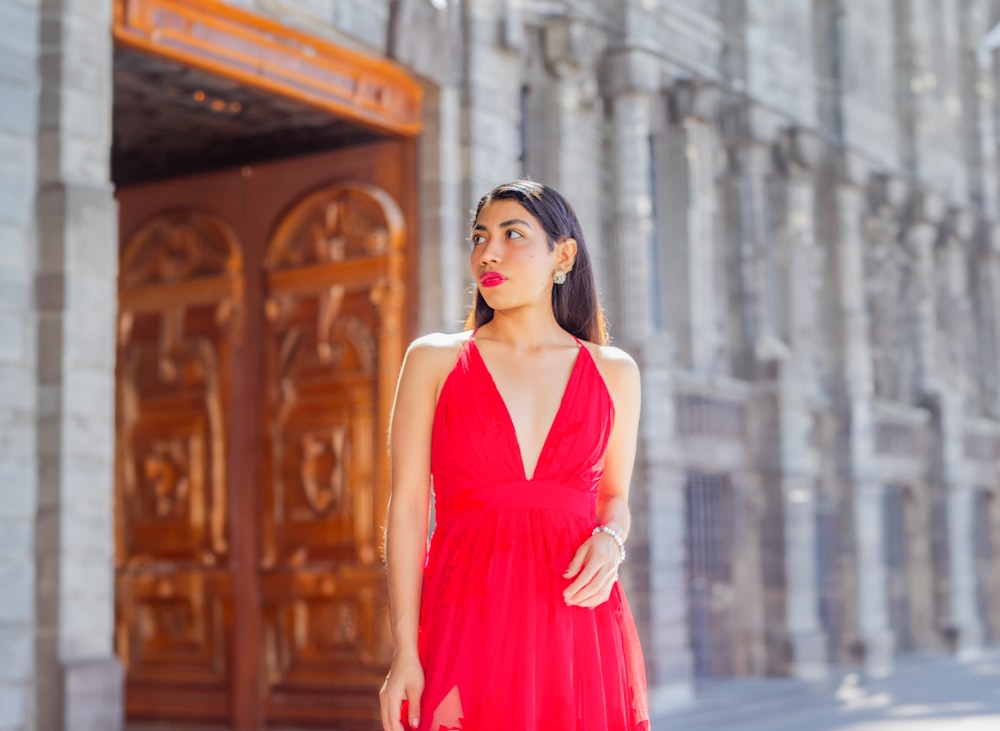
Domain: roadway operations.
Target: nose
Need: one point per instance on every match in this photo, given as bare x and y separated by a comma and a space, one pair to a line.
490, 252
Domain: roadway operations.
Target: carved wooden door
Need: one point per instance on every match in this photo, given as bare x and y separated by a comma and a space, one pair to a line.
180, 298
333, 306
261, 331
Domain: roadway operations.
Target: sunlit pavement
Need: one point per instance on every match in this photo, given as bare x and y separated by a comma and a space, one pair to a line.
925, 693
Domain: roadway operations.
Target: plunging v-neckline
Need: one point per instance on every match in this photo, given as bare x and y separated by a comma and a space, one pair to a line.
510, 420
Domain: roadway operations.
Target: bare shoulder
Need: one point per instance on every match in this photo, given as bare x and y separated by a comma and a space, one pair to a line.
438, 345
441, 341
433, 356
617, 367
621, 377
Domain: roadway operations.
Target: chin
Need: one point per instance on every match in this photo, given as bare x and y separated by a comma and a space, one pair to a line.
490, 297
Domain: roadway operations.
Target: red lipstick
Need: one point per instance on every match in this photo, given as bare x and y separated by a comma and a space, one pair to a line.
492, 279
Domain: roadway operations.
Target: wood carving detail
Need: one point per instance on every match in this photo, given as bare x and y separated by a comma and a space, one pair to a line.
321, 447
174, 620
326, 318
172, 462
337, 224
180, 285
329, 628
165, 479
322, 471
348, 346
178, 247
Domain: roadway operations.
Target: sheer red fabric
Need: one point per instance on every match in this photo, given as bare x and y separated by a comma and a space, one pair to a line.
499, 646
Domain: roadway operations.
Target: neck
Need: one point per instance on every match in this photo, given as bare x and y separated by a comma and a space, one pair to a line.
525, 328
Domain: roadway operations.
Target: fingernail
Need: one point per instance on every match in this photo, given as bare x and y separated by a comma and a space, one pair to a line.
414, 722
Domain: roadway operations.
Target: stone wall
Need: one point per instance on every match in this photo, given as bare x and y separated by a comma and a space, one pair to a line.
19, 91
77, 676
59, 259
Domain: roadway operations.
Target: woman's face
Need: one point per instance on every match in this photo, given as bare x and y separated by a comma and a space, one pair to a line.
511, 259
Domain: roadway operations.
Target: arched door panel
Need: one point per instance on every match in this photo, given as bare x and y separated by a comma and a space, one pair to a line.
332, 309
180, 292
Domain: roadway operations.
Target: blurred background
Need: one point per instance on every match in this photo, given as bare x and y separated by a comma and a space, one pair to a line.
222, 222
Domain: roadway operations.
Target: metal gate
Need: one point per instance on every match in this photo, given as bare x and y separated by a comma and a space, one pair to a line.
710, 529
896, 518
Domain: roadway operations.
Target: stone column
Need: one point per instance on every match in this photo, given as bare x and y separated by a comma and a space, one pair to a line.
962, 620
656, 575
750, 135
981, 151
990, 301
777, 254
429, 41
873, 622
444, 221
19, 87
491, 96
79, 682
954, 311
633, 85
573, 116
689, 259
798, 461
921, 236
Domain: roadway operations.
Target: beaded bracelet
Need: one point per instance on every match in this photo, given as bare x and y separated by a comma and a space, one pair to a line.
617, 538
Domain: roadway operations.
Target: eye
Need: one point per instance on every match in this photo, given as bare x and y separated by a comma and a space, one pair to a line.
513, 233
477, 239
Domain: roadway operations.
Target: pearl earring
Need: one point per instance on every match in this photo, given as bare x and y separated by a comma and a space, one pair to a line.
559, 277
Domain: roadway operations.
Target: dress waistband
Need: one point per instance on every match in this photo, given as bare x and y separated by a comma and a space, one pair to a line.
519, 493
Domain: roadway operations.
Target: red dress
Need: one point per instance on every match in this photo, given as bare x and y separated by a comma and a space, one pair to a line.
500, 648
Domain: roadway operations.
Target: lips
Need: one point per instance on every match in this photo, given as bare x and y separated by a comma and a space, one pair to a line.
492, 279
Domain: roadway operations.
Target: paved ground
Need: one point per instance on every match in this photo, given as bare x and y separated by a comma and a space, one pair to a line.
926, 693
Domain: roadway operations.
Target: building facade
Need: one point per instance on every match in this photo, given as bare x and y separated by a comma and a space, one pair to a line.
221, 222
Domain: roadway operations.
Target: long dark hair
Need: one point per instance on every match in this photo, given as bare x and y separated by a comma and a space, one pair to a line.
575, 303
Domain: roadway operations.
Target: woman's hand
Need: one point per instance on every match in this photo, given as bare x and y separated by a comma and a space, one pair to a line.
595, 567
405, 682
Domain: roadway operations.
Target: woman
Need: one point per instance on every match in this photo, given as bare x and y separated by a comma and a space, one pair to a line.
527, 426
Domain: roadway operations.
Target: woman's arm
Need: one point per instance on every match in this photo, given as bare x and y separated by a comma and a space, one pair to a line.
612, 506
406, 526
595, 564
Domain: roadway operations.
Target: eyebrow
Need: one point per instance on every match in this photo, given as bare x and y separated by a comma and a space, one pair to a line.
504, 224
